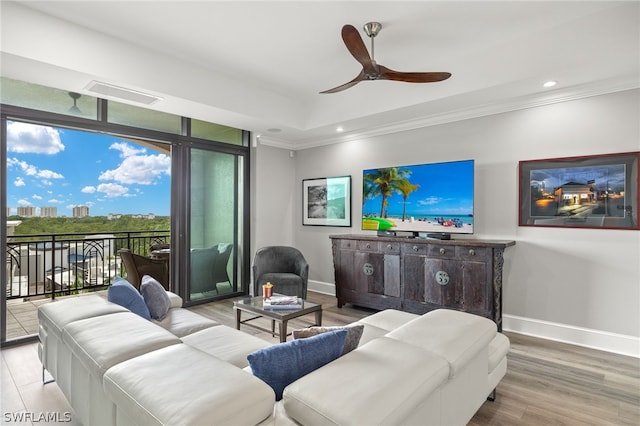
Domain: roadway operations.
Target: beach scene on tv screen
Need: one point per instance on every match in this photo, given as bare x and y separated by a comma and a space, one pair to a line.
432, 198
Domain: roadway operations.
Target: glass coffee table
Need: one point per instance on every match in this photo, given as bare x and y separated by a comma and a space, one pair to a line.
255, 306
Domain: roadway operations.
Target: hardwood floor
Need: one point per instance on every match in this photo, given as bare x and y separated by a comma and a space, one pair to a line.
547, 383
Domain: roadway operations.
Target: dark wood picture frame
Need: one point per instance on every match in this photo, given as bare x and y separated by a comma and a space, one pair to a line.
326, 201
597, 191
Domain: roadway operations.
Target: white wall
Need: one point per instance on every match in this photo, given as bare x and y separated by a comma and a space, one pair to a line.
575, 285
274, 188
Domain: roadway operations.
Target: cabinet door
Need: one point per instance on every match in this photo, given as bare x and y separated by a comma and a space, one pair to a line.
377, 280
344, 275
443, 283
476, 288
413, 279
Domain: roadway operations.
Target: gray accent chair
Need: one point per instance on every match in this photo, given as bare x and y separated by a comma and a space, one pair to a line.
209, 267
284, 267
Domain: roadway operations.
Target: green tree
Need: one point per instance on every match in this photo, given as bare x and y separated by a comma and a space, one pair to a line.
89, 225
384, 182
404, 187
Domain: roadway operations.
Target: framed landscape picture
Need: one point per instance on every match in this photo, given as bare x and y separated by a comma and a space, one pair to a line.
327, 201
581, 192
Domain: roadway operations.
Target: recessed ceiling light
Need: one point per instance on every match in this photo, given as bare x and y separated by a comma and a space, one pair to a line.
339, 129
550, 83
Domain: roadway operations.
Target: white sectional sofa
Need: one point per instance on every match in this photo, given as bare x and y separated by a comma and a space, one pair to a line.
116, 368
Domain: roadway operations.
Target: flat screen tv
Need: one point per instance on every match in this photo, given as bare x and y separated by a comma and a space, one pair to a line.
431, 200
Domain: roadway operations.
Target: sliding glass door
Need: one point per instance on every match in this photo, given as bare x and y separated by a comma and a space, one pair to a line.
216, 225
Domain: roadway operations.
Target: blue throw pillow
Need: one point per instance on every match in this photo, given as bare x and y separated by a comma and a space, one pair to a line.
155, 296
284, 363
124, 294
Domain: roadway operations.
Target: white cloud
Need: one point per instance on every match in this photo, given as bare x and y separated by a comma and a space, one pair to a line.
24, 202
31, 170
112, 190
34, 139
127, 150
140, 169
48, 174
55, 201
88, 189
36, 197
26, 168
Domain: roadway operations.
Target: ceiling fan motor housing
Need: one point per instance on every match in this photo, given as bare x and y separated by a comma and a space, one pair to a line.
372, 28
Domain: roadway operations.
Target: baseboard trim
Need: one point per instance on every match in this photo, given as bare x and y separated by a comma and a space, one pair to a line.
322, 287
589, 338
594, 339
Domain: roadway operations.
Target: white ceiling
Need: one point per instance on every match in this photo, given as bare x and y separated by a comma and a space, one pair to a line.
260, 65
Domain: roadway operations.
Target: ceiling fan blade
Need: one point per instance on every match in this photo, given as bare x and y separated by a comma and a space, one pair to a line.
358, 50
352, 83
412, 77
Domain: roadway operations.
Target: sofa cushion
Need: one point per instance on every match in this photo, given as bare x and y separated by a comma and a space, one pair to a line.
226, 343
281, 364
182, 322
155, 297
55, 315
498, 349
107, 340
380, 383
380, 323
456, 336
176, 301
181, 385
124, 294
354, 333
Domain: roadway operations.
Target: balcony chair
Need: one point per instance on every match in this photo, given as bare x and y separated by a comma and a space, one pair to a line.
209, 267
137, 266
284, 267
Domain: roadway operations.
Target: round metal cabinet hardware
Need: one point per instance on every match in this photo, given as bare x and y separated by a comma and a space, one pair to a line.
389, 246
415, 248
367, 268
442, 278
442, 251
368, 245
472, 252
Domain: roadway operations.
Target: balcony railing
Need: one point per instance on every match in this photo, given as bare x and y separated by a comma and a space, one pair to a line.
64, 264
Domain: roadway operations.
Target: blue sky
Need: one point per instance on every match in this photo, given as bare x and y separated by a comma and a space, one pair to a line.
53, 167
444, 189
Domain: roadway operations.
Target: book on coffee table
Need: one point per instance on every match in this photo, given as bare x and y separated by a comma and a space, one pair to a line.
282, 302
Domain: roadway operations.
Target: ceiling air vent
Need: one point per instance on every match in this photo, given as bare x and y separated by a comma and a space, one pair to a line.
112, 91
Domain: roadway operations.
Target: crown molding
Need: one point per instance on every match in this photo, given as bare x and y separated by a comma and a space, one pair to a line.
507, 105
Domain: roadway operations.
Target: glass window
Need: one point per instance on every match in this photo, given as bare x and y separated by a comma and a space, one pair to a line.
33, 96
215, 132
129, 115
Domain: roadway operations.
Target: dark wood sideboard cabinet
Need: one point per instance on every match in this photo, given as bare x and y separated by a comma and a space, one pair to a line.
419, 275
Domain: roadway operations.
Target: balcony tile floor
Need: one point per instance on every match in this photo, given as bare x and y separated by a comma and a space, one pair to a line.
22, 315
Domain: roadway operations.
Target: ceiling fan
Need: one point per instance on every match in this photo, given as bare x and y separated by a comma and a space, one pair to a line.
370, 69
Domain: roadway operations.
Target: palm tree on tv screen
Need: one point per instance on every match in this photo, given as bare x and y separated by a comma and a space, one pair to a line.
404, 188
383, 183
